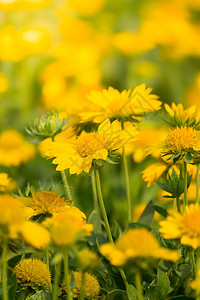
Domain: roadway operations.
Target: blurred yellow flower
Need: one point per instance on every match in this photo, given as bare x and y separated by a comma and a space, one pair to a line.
4, 83
67, 227
116, 105
14, 150
154, 172
91, 287
87, 259
195, 284
136, 243
86, 8
32, 272
20, 5
4, 181
185, 227
78, 154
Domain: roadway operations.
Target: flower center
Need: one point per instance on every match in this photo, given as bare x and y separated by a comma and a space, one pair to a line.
192, 224
181, 138
90, 143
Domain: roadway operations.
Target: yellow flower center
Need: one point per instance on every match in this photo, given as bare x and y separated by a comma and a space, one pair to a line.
191, 223
10, 139
90, 143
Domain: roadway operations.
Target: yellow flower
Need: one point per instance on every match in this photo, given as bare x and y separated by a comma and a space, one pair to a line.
4, 181
91, 287
87, 259
4, 83
181, 116
154, 172
45, 202
136, 243
78, 155
185, 227
35, 234
14, 150
66, 228
86, 8
17, 5
183, 138
32, 272
195, 284
116, 105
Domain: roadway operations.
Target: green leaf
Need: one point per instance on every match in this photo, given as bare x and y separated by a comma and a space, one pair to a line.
96, 221
161, 210
117, 295
146, 217
160, 289
132, 292
184, 270
187, 157
40, 295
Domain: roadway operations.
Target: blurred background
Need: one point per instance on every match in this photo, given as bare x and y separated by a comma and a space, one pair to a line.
54, 52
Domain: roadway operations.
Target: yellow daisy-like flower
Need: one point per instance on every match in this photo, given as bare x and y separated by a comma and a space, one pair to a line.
91, 287
181, 116
14, 150
116, 105
185, 227
78, 154
154, 172
136, 243
45, 202
32, 272
182, 138
66, 228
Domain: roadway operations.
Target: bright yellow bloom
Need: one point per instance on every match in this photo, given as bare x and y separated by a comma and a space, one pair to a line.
183, 138
86, 8
66, 228
181, 116
87, 259
116, 105
4, 181
32, 272
78, 155
154, 172
185, 227
91, 287
17, 5
35, 234
136, 243
4, 83
45, 202
14, 150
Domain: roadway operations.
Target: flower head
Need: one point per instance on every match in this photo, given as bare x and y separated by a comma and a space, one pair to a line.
122, 106
185, 227
4, 182
78, 154
87, 259
32, 272
136, 243
91, 287
195, 284
13, 148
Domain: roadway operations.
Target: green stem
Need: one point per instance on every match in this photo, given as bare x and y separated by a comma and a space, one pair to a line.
82, 292
128, 190
197, 183
101, 202
185, 185
194, 264
138, 285
94, 190
66, 185
66, 272
56, 280
178, 204
4, 269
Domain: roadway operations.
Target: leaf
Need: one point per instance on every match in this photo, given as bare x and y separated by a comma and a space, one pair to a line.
146, 217
96, 221
184, 270
132, 292
161, 210
160, 289
117, 295
116, 230
187, 157
138, 225
40, 295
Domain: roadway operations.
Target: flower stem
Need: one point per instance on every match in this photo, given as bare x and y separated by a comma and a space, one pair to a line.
138, 285
178, 204
66, 272
185, 185
56, 280
4, 269
197, 187
94, 190
82, 292
101, 202
128, 190
66, 185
